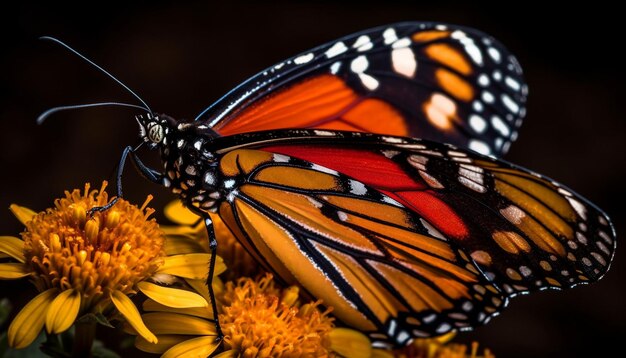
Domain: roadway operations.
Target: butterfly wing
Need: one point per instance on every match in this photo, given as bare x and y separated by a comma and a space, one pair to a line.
406, 238
441, 82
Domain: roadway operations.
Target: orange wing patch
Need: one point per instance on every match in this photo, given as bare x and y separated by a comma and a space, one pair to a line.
449, 56
323, 102
454, 85
426, 36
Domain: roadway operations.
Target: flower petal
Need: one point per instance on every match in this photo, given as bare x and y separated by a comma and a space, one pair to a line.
196, 347
181, 230
13, 247
23, 214
173, 323
200, 287
381, 353
178, 213
172, 297
166, 342
63, 311
127, 308
150, 305
180, 244
29, 322
228, 354
349, 343
194, 266
13, 270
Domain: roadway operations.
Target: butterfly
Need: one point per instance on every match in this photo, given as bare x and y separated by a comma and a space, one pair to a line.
312, 166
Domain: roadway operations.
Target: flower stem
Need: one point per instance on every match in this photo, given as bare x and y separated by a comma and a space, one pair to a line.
83, 339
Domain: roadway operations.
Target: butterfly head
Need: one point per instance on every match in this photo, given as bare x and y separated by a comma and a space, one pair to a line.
154, 129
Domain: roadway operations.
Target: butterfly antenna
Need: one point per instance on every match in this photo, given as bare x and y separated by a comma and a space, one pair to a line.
48, 38
42, 117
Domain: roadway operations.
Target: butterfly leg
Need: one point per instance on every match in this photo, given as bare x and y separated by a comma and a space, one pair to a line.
208, 223
148, 173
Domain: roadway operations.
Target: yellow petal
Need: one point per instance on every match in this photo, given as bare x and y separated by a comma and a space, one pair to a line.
63, 311
173, 323
13, 247
166, 342
180, 244
381, 353
194, 266
12, 271
443, 339
172, 297
22, 214
349, 343
197, 347
150, 305
178, 213
181, 230
201, 287
127, 308
29, 322
228, 354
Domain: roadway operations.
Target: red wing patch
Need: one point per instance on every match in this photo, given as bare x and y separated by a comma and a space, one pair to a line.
379, 172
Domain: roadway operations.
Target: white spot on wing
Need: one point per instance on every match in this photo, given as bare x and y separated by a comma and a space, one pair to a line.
389, 200
403, 42
336, 49
488, 97
363, 43
334, 68
280, 158
443, 328
403, 61
303, 59
368, 81
483, 80
512, 83
472, 185
499, 125
322, 169
359, 64
390, 36
477, 123
513, 214
580, 208
510, 103
494, 54
209, 178
357, 188
432, 231
479, 146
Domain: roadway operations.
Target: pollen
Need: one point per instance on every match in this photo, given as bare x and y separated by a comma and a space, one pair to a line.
67, 248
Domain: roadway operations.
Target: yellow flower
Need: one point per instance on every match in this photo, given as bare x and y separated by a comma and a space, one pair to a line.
258, 320
84, 264
438, 347
190, 225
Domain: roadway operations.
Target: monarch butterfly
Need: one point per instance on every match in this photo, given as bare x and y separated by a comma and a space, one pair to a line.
311, 165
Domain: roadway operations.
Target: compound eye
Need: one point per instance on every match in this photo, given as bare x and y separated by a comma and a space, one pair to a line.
155, 132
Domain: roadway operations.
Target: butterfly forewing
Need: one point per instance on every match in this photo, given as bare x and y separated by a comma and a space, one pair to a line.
441, 82
406, 238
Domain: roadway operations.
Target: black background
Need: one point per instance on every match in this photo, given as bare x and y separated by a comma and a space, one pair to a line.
181, 57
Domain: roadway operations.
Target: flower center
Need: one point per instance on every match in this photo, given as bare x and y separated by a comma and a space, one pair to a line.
111, 250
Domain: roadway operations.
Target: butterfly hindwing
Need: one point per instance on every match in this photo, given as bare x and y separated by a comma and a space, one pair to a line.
440, 82
403, 237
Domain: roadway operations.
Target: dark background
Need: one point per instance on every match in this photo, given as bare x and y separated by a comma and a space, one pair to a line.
181, 57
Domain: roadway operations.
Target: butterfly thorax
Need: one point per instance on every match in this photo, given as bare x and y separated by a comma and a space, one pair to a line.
189, 166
